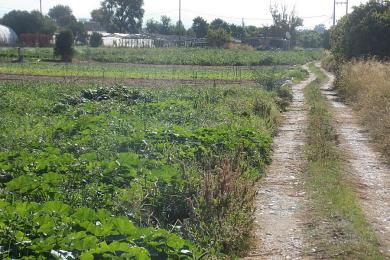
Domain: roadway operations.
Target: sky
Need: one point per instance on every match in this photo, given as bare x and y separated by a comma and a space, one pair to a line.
254, 12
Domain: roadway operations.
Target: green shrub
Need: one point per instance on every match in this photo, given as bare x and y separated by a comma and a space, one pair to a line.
218, 38
363, 33
64, 45
96, 40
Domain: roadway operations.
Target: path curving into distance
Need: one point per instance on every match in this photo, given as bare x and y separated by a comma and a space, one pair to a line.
280, 202
370, 174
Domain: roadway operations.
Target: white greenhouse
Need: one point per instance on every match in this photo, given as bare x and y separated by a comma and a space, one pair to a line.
7, 36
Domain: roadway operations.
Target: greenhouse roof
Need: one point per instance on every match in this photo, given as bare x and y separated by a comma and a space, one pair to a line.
7, 35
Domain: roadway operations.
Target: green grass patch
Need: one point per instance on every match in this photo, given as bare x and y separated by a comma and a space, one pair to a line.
339, 228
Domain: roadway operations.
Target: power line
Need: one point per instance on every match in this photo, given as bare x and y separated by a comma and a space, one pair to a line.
334, 9
246, 18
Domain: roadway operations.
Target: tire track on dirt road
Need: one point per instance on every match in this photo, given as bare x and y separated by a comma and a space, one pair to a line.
280, 202
369, 174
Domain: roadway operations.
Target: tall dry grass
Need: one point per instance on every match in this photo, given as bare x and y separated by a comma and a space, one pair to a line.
366, 85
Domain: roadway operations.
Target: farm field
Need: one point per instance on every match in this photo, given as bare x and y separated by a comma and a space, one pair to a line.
126, 71
176, 56
91, 169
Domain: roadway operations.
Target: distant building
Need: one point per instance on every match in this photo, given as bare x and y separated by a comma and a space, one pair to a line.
7, 36
122, 40
92, 26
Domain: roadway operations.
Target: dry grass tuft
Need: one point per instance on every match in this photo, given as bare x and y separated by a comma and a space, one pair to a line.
366, 85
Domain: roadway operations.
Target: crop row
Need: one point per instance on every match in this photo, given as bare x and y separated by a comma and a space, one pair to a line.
98, 172
177, 56
123, 71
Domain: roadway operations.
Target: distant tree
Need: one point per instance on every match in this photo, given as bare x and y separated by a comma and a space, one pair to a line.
64, 45
200, 27
124, 16
22, 22
309, 39
62, 15
79, 33
320, 28
364, 32
179, 29
32, 28
96, 40
326, 43
237, 32
284, 22
166, 25
252, 31
220, 24
49, 27
152, 26
103, 17
218, 37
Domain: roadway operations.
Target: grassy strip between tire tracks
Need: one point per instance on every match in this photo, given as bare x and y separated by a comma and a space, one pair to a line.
338, 228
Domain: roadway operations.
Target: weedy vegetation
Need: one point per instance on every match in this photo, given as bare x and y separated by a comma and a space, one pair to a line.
102, 172
365, 85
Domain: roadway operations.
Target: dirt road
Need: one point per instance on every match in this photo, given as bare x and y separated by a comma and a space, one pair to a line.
280, 203
370, 175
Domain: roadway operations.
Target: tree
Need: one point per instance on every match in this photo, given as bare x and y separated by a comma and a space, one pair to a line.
103, 17
218, 37
96, 40
64, 18
200, 27
326, 43
124, 16
165, 27
320, 28
152, 26
284, 22
252, 31
62, 15
64, 45
220, 24
237, 32
22, 22
364, 32
179, 29
309, 39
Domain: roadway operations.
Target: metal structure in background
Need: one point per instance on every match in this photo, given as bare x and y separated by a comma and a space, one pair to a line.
346, 3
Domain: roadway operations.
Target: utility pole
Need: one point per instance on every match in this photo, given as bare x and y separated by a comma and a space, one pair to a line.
243, 29
180, 24
346, 2
179, 11
334, 12
40, 6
